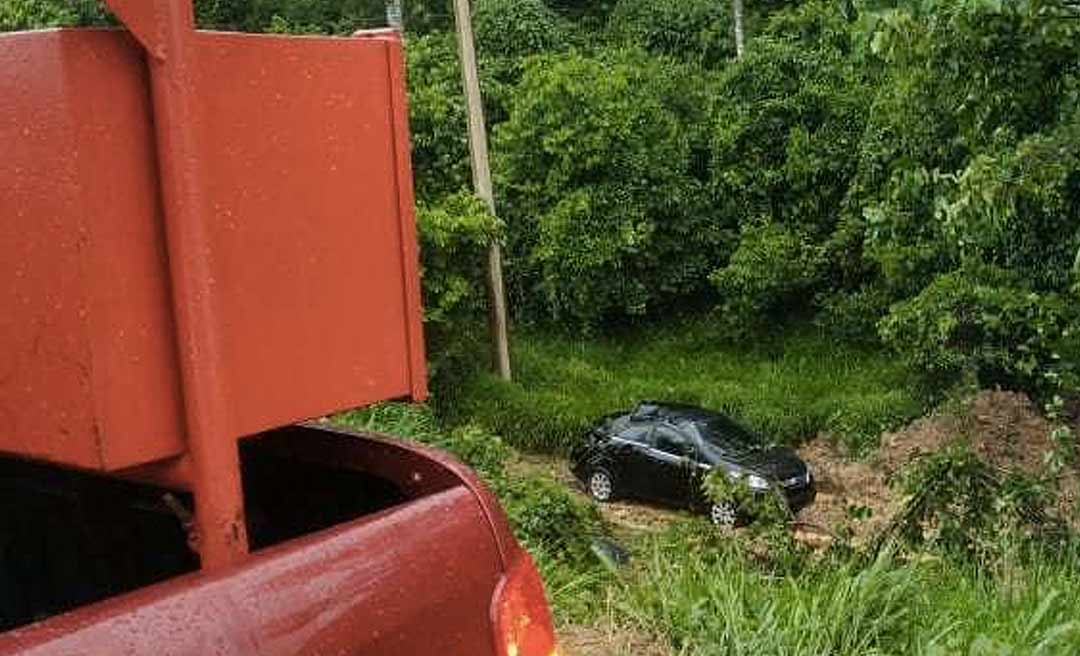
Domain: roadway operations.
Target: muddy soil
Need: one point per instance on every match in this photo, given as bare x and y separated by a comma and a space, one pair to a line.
608, 639
1004, 428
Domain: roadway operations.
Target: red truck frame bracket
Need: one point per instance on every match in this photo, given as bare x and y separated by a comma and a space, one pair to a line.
205, 235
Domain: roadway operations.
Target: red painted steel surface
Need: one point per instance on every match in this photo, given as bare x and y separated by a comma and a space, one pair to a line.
305, 196
413, 580
301, 202
87, 358
271, 174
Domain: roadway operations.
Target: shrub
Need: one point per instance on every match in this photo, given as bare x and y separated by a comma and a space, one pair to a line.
772, 270
985, 322
959, 504
598, 227
440, 149
942, 176
699, 31
455, 234
853, 315
1019, 208
548, 517
786, 126
516, 28
18, 15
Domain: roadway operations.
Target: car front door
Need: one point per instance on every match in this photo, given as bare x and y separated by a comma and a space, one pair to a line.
674, 465
633, 460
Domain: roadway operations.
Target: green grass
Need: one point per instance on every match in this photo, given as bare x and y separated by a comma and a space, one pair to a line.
710, 598
704, 592
789, 386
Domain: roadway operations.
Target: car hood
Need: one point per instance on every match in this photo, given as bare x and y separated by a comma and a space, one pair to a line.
779, 463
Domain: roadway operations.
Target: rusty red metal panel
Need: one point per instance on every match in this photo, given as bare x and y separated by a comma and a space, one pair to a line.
307, 200
296, 143
377, 586
271, 175
86, 348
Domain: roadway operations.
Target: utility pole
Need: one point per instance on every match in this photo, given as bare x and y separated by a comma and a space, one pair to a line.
394, 15
737, 17
478, 152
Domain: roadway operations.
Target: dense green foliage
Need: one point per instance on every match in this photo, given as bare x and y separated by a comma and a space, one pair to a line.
32, 14
455, 233
697, 31
601, 173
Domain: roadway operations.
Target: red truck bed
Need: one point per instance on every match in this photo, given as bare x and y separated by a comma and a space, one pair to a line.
426, 566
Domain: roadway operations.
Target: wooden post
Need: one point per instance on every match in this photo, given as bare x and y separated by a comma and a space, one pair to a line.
500, 341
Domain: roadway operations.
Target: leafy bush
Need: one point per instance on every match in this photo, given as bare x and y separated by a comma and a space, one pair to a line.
961, 505
698, 31
590, 13
455, 235
772, 270
786, 127
291, 17
1019, 208
440, 148
516, 28
853, 315
547, 517
985, 322
941, 176
597, 226
16, 15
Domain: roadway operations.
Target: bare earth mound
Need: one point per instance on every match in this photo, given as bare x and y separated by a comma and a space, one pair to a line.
1004, 428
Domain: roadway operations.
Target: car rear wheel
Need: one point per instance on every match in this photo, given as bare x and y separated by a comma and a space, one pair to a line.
601, 486
723, 515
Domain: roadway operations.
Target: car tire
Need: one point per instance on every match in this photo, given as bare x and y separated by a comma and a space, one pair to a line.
723, 515
600, 485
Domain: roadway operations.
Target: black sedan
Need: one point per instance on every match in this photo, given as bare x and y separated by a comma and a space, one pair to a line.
661, 452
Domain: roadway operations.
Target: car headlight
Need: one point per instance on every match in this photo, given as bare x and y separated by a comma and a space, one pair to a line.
755, 482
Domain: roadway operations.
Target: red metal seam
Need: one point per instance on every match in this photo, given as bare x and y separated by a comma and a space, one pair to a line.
406, 215
147, 21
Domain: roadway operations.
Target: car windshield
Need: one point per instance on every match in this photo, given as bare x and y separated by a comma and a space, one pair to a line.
719, 431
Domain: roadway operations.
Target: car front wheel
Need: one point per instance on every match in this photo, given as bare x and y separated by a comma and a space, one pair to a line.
601, 486
723, 515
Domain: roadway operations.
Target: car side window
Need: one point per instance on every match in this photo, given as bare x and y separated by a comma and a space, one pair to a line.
670, 441
638, 433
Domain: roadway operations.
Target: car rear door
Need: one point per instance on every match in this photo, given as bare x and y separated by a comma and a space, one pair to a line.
671, 466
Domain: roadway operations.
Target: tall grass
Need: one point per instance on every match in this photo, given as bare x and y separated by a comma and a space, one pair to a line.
789, 386
714, 599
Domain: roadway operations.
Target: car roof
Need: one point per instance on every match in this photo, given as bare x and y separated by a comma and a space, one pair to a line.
662, 410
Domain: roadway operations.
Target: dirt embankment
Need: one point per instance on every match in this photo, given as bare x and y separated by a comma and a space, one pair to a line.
608, 640
1004, 428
